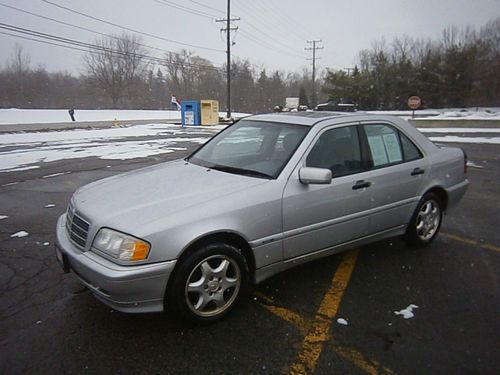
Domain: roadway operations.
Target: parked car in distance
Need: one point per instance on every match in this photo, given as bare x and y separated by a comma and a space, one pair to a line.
337, 107
267, 193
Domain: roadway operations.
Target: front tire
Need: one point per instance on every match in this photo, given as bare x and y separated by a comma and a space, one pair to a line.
209, 282
426, 221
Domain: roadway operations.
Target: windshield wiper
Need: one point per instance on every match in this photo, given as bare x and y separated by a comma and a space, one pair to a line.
241, 171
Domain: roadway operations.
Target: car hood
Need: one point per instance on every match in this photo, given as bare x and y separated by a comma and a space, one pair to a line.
148, 194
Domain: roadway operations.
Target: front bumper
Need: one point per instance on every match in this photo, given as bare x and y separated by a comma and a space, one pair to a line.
133, 289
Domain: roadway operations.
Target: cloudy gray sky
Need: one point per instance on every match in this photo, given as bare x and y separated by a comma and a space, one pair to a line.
272, 33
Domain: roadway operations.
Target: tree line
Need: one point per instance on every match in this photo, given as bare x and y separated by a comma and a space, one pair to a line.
120, 75
460, 69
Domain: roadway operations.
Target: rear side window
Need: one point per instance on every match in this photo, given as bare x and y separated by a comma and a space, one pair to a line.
338, 150
384, 143
410, 151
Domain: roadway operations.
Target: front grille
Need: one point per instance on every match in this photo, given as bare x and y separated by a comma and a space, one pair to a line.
77, 227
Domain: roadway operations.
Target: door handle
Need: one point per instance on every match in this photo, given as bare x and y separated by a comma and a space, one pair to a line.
361, 184
417, 171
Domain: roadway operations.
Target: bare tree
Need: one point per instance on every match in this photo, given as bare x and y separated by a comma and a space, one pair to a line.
116, 65
19, 70
401, 48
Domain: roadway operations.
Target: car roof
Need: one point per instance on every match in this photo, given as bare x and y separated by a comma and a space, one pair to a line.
301, 118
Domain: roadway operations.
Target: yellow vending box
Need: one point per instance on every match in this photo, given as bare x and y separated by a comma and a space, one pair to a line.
209, 112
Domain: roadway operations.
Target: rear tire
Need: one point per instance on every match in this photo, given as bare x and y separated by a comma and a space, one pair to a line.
426, 221
209, 283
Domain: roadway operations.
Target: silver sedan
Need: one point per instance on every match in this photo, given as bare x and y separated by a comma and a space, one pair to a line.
266, 194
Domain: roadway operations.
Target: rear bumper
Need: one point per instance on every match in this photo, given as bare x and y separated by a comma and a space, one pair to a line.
455, 193
133, 289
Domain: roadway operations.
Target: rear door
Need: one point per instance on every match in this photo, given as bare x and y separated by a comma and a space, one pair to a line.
398, 170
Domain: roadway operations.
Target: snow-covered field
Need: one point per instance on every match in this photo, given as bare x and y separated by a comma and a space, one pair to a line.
25, 151
447, 114
44, 116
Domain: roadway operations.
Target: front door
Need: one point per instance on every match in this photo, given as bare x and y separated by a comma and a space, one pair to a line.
317, 217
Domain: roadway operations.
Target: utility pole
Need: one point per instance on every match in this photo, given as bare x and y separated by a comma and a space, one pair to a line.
349, 70
228, 30
314, 58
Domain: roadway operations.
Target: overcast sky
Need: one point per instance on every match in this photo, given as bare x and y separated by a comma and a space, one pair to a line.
271, 34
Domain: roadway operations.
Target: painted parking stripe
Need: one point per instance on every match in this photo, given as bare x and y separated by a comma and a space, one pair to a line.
319, 332
472, 242
367, 365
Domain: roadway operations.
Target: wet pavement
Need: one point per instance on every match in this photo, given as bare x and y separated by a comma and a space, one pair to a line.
288, 324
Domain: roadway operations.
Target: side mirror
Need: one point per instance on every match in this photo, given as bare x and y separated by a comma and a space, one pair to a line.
310, 175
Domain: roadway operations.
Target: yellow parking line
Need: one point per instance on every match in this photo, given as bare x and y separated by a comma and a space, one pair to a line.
320, 327
472, 242
282, 312
368, 366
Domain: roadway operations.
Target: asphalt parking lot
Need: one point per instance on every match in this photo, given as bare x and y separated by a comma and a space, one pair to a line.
291, 323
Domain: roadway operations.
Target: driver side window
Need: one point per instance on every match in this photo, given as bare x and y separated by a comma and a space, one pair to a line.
338, 150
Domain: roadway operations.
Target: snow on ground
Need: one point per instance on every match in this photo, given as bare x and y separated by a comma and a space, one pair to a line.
35, 148
20, 234
459, 130
342, 321
446, 114
3, 217
408, 312
27, 151
455, 139
31, 116
42, 116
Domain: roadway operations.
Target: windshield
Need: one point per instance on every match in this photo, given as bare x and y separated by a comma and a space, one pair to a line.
252, 148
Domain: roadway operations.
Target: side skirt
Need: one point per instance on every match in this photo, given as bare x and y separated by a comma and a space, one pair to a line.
264, 273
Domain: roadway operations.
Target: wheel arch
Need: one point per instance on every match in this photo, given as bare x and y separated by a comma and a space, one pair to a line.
228, 237
441, 193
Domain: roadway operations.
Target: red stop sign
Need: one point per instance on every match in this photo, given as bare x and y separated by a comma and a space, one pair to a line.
414, 102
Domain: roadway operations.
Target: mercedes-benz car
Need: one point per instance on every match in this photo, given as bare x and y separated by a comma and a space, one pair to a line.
265, 194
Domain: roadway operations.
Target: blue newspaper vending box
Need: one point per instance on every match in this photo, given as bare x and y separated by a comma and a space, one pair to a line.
190, 112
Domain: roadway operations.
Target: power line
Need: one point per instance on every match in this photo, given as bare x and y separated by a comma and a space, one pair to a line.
270, 37
44, 42
206, 6
79, 27
185, 9
273, 27
268, 45
128, 28
291, 24
263, 26
89, 46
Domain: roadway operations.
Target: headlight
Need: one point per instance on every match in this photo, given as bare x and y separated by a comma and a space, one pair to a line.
120, 246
